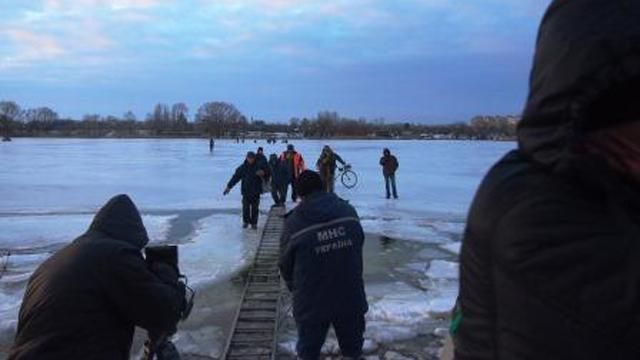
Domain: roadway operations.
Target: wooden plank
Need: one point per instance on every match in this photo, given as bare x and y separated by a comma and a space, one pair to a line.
254, 331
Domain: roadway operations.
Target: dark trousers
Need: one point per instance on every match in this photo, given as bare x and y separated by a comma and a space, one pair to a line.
294, 195
250, 208
279, 193
391, 180
328, 182
349, 331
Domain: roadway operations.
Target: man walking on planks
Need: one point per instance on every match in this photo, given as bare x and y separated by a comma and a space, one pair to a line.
251, 174
321, 262
295, 166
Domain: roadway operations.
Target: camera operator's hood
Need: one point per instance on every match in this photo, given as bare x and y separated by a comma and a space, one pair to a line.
584, 50
119, 219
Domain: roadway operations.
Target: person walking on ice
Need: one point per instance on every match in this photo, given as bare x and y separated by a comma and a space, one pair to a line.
295, 166
326, 165
389, 165
250, 173
279, 180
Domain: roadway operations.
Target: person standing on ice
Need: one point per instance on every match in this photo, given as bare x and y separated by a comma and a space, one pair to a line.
550, 258
211, 145
251, 174
327, 165
279, 180
295, 166
321, 263
86, 299
389, 165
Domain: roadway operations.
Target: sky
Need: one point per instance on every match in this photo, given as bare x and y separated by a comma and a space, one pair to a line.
430, 61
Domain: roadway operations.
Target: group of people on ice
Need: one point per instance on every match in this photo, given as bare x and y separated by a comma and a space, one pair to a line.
258, 175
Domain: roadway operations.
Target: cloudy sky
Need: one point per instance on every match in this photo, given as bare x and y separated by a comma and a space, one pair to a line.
414, 60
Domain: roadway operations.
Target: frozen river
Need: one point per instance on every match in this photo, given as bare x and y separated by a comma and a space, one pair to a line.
50, 188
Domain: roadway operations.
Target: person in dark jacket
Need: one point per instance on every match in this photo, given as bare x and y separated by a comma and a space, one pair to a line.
321, 263
85, 300
261, 159
251, 174
295, 165
327, 165
279, 180
389, 165
211, 144
549, 262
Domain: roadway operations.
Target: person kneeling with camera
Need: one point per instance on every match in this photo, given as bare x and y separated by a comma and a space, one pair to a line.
85, 301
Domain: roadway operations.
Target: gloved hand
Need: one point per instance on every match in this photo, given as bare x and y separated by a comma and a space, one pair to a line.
226, 191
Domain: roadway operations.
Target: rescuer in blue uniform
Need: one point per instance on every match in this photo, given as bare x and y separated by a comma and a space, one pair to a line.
321, 262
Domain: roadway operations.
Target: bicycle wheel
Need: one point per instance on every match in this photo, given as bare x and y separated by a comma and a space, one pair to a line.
349, 179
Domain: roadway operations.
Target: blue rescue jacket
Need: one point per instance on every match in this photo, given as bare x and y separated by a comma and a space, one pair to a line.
321, 259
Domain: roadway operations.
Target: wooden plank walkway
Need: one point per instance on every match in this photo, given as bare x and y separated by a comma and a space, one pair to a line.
254, 330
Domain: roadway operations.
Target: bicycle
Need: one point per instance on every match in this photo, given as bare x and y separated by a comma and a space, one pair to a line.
348, 177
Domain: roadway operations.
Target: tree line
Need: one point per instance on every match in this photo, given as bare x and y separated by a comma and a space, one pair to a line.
221, 119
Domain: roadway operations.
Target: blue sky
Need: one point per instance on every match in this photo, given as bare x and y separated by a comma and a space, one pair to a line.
403, 60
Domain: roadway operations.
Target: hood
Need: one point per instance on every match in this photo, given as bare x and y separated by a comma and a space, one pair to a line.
319, 207
119, 219
585, 50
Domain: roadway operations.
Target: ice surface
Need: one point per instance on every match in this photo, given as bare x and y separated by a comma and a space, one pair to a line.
440, 269
218, 248
49, 189
452, 247
63, 174
442, 285
24, 232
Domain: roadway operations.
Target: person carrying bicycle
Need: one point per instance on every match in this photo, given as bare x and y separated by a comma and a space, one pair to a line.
326, 166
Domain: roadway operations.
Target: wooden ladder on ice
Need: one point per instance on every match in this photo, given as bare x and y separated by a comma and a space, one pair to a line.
253, 335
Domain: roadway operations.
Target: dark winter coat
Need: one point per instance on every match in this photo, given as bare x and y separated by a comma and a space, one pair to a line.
279, 172
327, 163
262, 160
321, 259
550, 259
251, 182
84, 301
389, 165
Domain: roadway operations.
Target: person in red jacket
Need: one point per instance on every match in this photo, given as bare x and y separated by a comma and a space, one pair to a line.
295, 165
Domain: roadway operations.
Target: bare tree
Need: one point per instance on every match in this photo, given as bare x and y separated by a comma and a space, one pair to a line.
129, 116
9, 112
180, 116
216, 118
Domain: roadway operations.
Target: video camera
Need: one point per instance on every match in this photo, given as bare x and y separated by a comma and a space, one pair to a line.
159, 346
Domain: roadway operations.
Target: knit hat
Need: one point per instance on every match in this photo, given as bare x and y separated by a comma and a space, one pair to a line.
308, 182
251, 154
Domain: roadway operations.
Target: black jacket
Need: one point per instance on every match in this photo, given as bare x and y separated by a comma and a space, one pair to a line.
389, 165
321, 259
549, 262
327, 163
279, 172
251, 183
84, 301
